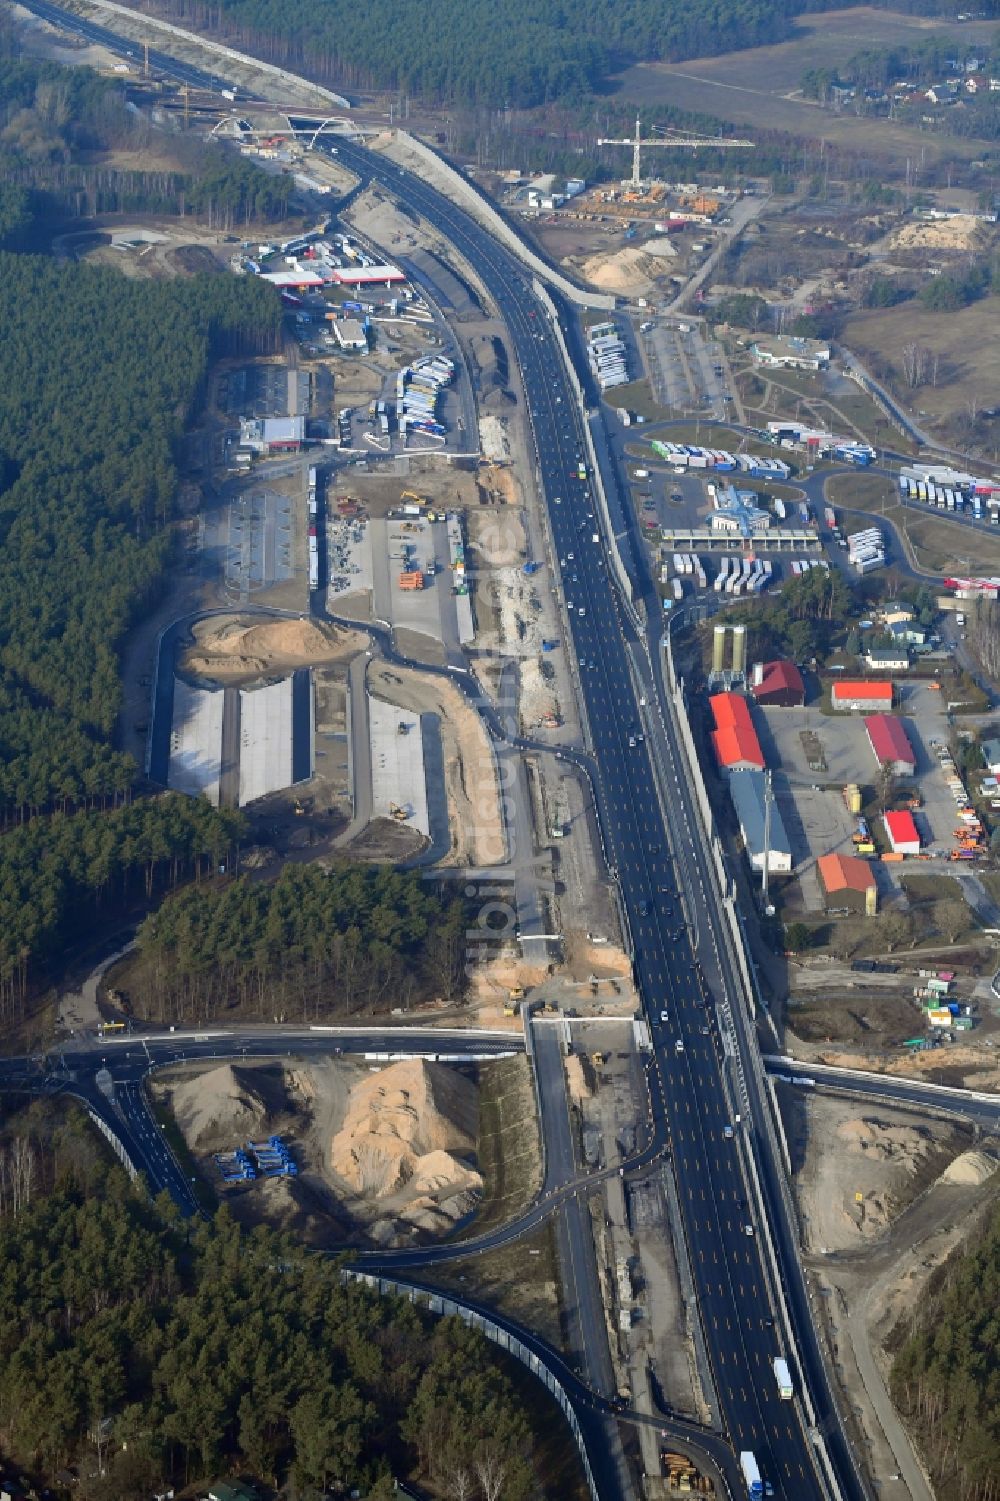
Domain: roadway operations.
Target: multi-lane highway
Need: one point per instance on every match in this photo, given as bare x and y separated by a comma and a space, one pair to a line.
645, 810
722, 1224
159, 62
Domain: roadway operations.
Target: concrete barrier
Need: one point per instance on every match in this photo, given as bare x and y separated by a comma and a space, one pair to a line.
445, 1307
624, 581
150, 23
475, 202
116, 1144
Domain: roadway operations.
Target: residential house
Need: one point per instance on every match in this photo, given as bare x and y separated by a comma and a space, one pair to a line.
894, 610
232, 1490
907, 633
887, 659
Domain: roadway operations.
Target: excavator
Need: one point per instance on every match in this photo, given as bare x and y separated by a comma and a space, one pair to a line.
398, 813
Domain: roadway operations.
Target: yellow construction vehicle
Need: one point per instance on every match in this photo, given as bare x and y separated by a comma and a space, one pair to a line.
418, 500
398, 813
514, 998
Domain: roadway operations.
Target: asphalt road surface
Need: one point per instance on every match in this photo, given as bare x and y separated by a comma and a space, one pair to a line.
721, 1225
734, 1293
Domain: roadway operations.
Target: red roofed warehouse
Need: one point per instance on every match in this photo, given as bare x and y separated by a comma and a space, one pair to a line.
734, 738
890, 744
859, 695
902, 832
778, 683
849, 882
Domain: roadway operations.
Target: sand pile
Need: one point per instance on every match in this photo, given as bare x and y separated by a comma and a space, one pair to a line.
219, 1110
401, 1127
661, 246
233, 649
903, 1144
963, 232
628, 270
576, 1078
970, 1169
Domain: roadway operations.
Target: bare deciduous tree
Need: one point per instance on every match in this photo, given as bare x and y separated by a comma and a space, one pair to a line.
459, 1483
18, 1172
984, 634
895, 928
952, 918
918, 364
491, 1472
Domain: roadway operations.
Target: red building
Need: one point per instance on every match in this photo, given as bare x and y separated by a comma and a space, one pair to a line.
778, 683
902, 832
890, 744
734, 738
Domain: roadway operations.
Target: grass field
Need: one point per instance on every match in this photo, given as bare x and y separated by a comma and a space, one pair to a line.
520, 1279
509, 1157
930, 897
965, 341
861, 492
760, 87
638, 397
938, 546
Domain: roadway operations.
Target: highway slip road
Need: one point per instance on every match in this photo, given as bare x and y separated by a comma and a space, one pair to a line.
721, 1225
725, 1254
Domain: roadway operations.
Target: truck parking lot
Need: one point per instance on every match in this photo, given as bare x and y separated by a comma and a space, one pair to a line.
686, 372
256, 542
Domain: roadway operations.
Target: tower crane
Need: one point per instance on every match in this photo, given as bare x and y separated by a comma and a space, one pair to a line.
670, 137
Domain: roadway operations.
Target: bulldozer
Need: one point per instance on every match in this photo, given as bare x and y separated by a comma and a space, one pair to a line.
398, 813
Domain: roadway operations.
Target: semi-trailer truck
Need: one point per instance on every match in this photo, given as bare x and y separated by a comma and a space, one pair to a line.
751, 1474
782, 1376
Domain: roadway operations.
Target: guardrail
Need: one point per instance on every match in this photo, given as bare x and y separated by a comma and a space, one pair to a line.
115, 1142
480, 207
772, 1119
441, 1304
624, 580
827, 1071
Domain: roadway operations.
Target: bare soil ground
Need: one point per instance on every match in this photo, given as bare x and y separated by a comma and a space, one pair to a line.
961, 1065
884, 1198
860, 1171
374, 213
470, 772
386, 840
444, 485
234, 649
185, 247
760, 87
385, 1155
